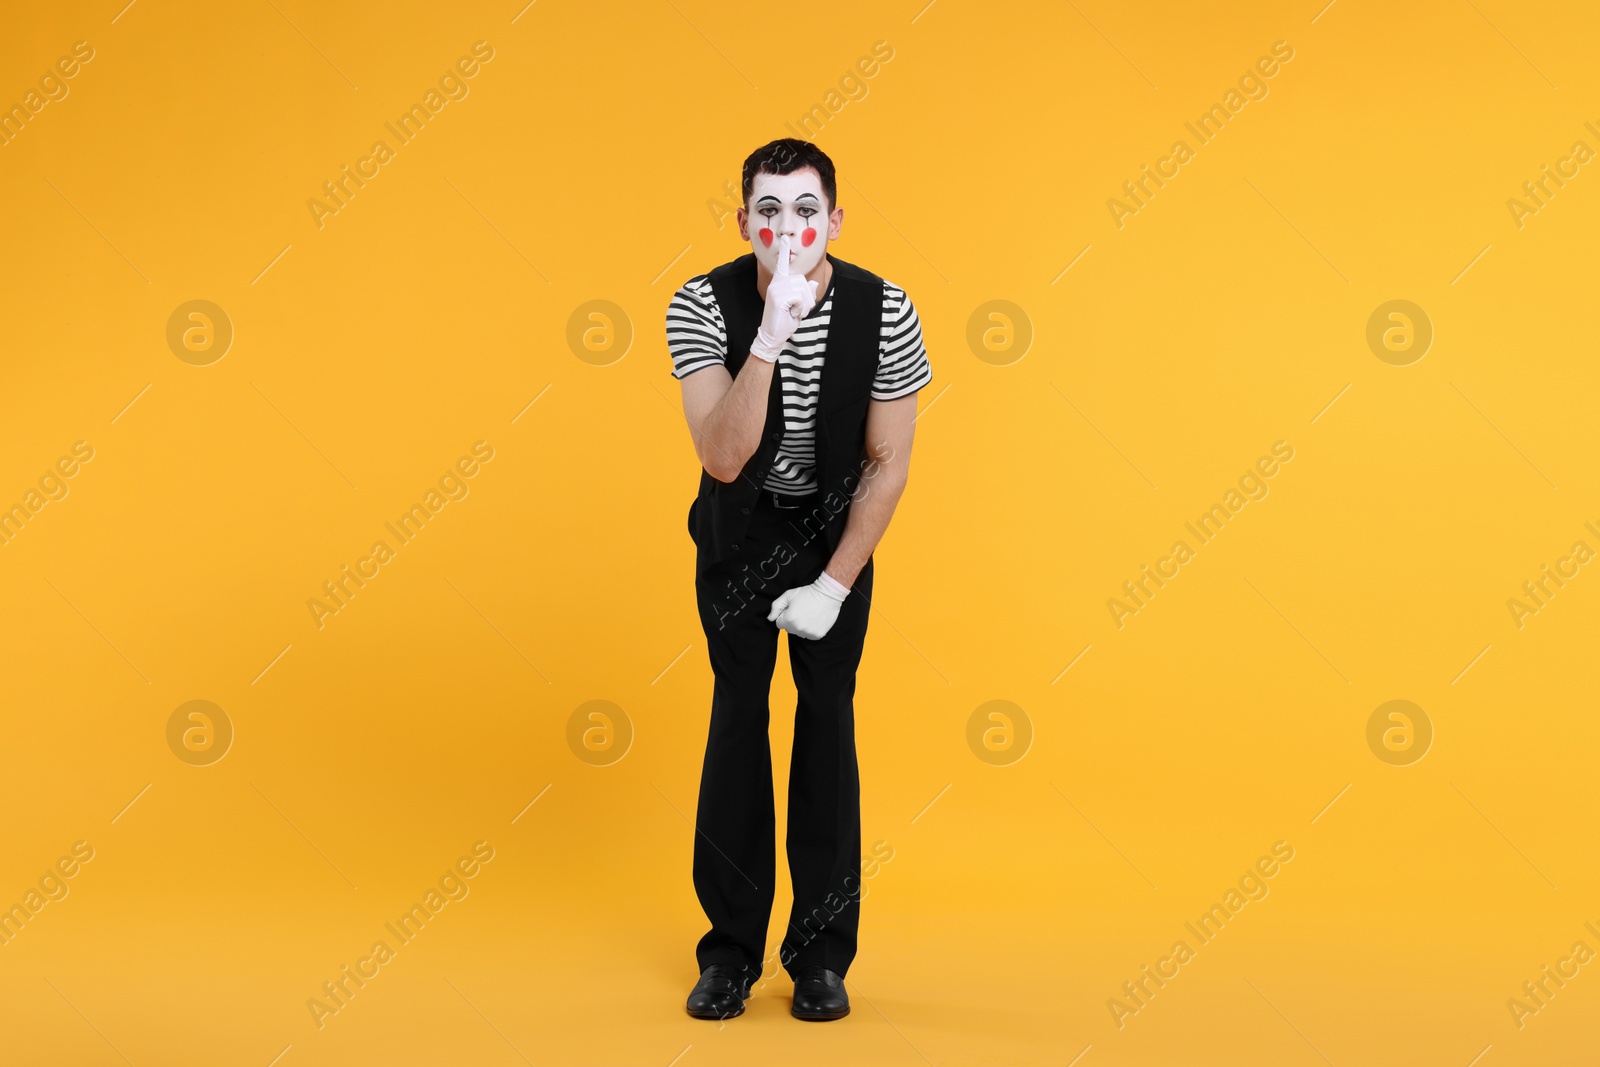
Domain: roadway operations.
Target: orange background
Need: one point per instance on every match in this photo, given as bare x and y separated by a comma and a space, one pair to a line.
1029, 880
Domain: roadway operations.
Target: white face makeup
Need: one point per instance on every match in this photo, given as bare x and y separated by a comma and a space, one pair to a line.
794, 204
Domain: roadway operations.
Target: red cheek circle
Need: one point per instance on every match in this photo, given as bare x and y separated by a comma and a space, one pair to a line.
766, 237
809, 235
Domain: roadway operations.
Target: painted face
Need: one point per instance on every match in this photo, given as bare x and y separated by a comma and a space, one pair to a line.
794, 204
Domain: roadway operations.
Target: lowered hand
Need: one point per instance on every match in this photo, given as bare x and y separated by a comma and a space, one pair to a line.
809, 611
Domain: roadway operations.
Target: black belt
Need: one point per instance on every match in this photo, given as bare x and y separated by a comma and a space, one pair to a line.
789, 503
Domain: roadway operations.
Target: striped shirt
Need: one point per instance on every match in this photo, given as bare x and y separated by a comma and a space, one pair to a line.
697, 338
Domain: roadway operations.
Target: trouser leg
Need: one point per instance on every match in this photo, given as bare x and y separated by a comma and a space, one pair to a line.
824, 832
734, 853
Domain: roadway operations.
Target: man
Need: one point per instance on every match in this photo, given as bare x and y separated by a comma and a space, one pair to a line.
799, 374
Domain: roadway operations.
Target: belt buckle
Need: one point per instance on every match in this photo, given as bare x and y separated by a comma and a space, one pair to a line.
777, 502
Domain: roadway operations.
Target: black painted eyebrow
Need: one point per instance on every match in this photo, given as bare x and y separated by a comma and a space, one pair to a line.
769, 198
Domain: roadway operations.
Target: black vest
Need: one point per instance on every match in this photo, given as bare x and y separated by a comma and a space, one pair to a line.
721, 512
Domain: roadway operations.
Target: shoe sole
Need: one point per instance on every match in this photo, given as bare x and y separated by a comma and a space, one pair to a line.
819, 1017
718, 1014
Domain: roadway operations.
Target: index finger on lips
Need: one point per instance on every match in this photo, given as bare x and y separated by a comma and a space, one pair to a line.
783, 254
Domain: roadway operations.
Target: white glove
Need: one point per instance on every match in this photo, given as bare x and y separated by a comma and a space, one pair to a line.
790, 298
809, 611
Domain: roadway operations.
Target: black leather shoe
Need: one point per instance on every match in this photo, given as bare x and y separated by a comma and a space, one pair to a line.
819, 995
719, 994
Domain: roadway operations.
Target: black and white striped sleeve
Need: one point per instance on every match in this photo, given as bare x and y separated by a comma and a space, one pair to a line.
696, 336
903, 366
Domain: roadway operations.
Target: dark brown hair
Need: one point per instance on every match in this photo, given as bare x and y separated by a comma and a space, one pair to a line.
786, 155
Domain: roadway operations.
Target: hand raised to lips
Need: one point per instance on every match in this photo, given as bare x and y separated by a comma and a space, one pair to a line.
783, 269
790, 298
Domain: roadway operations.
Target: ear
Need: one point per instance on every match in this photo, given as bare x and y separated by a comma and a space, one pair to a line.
743, 218
835, 222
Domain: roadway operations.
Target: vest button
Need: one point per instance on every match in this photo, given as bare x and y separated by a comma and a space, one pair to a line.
736, 548
744, 511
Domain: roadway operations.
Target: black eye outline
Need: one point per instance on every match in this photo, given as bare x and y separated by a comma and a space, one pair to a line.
805, 210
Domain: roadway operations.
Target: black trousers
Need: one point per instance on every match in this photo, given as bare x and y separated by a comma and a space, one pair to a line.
734, 861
